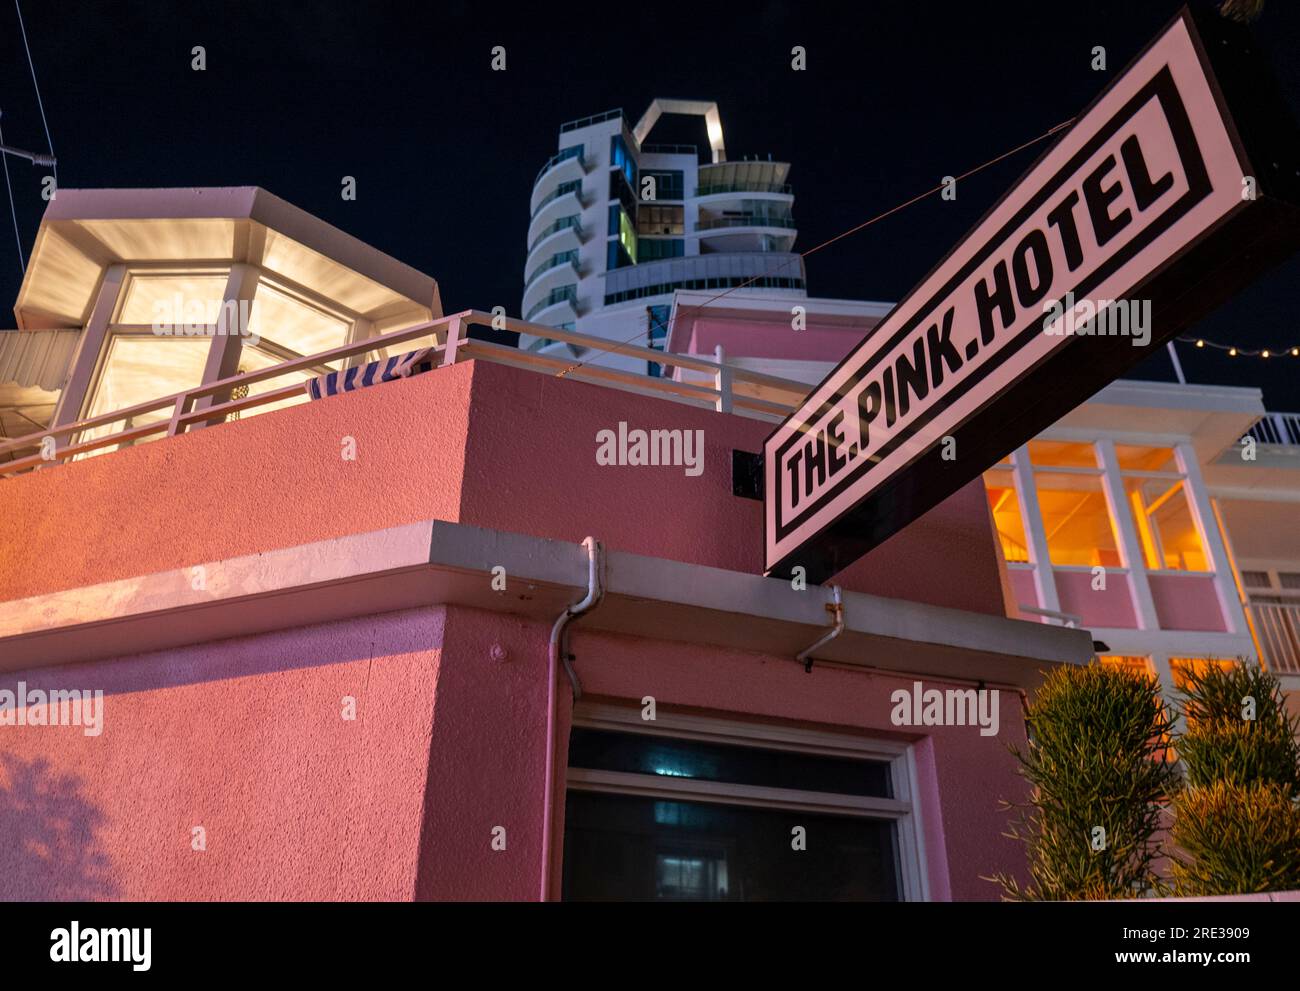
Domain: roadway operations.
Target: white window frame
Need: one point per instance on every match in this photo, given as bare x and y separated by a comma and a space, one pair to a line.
901, 810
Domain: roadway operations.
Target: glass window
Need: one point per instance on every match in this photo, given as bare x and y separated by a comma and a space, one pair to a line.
660, 220
166, 300
1076, 520
633, 848
1165, 526
278, 317
253, 359
1062, 454
1007, 518
137, 369
653, 248
1121, 662
620, 191
668, 183
621, 159
664, 756
1180, 667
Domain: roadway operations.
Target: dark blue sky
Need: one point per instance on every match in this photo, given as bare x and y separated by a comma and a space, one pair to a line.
401, 96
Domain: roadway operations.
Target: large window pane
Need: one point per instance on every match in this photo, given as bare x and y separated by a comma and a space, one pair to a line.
1166, 529
139, 368
662, 756
1076, 520
278, 317
1007, 518
1145, 458
172, 299
254, 360
633, 848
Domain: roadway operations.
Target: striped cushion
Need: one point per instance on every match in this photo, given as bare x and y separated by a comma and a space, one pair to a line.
385, 370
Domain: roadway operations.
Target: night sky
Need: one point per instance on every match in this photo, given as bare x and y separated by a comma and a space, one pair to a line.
444, 150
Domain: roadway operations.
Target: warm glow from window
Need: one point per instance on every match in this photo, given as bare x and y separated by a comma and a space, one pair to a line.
252, 359
172, 299
1006, 515
278, 317
1166, 529
1076, 520
1061, 454
1181, 666
141, 368
1145, 458
1124, 662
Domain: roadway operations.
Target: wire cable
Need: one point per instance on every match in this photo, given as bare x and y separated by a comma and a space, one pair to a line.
852, 230
37, 86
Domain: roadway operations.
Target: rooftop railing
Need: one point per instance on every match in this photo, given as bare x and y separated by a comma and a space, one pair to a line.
573, 125
1277, 428
715, 385
556, 159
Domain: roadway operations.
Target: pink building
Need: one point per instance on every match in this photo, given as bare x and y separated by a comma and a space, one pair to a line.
362, 647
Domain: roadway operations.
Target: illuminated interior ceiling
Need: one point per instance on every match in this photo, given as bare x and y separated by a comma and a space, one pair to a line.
84, 231
745, 174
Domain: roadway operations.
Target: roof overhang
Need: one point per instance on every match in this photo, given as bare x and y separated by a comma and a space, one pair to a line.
84, 231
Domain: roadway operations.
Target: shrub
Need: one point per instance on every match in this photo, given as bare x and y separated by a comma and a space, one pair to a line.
1096, 758
1238, 820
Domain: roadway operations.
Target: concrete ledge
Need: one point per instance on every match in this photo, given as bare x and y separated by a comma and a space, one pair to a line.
435, 562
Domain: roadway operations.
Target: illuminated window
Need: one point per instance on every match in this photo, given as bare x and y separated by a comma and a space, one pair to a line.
1062, 454
1010, 524
139, 368
1182, 666
167, 300
1167, 530
1124, 662
1145, 458
1076, 519
304, 329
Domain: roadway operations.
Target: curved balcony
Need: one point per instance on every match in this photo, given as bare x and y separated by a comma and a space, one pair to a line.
563, 234
745, 220
770, 269
566, 200
559, 305
779, 189
564, 167
557, 272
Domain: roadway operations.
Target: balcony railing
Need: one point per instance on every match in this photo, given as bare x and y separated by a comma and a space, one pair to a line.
573, 125
563, 189
556, 159
555, 261
670, 150
559, 295
746, 187
573, 220
718, 386
1277, 428
1277, 628
748, 220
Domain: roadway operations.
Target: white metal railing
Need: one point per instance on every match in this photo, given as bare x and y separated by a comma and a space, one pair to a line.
1277, 428
723, 387
1277, 628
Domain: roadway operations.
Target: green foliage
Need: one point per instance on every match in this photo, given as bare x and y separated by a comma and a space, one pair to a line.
1220, 744
1238, 822
1096, 758
1242, 838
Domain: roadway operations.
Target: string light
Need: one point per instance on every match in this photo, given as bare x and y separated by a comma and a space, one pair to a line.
1236, 352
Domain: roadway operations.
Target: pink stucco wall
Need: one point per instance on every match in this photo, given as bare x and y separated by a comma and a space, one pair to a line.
245, 737
1111, 606
1187, 602
821, 339
476, 443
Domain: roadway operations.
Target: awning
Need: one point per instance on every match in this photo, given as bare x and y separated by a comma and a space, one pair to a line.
350, 379
39, 358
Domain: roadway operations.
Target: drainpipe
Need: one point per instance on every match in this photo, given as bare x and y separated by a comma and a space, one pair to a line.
836, 608
557, 652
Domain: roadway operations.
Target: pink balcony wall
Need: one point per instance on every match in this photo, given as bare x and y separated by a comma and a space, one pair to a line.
245, 737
